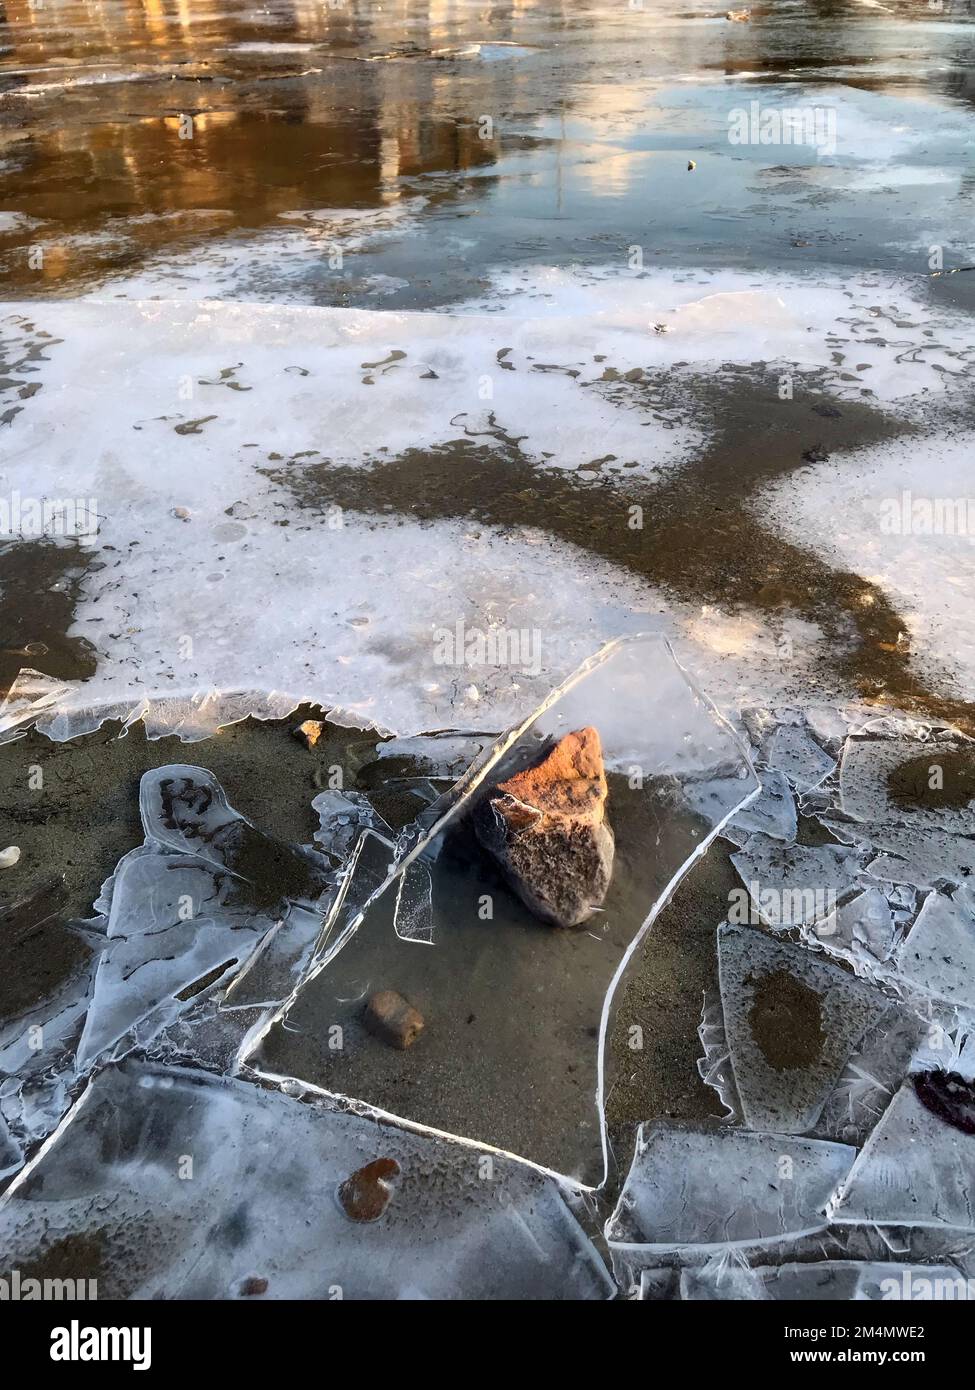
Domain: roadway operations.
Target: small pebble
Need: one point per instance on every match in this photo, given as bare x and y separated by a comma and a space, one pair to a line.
9, 856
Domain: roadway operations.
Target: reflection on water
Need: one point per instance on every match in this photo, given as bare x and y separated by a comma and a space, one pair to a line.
535, 131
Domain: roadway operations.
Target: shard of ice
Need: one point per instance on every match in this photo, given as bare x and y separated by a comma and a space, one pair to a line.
924, 783
937, 956
791, 751
772, 813
918, 1166
791, 1022
342, 818
516, 1011
826, 1281
872, 1076
724, 1187
278, 962
236, 1191
176, 925
413, 915
185, 810
860, 931
790, 885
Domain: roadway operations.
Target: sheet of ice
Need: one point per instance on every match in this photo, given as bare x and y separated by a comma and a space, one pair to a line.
278, 963
499, 986
184, 809
844, 1281
215, 470
724, 1187
715, 1068
937, 956
772, 813
413, 914
342, 817
11, 1155
265, 1214
921, 858
790, 750
791, 1022
901, 514
790, 885
925, 766
916, 1169
861, 931
175, 919
873, 1075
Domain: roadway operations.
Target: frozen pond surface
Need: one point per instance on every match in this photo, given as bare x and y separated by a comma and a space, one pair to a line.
392, 365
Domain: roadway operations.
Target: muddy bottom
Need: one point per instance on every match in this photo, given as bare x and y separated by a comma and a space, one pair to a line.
786, 1022
934, 781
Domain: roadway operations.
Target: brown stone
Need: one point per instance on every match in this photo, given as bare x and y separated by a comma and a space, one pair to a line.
253, 1287
393, 1019
367, 1193
547, 828
310, 731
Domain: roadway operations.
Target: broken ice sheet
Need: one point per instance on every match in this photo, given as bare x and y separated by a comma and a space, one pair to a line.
861, 931
827, 1281
772, 813
872, 1076
791, 751
516, 1010
110, 1200
342, 818
794, 884
791, 1021
937, 956
724, 1187
185, 809
413, 915
918, 1166
927, 784
176, 924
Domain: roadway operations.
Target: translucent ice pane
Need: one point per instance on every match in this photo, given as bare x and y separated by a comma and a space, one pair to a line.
174, 920
829, 1281
342, 818
724, 1187
916, 1169
11, 1156
270, 1210
938, 954
185, 809
790, 750
413, 916
922, 858
927, 784
861, 931
793, 884
279, 962
773, 812
872, 1076
791, 1021
516, 1011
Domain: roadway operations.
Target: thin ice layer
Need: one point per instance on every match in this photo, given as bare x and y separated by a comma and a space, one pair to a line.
791, 1022
917, 782
828, 1281
516, 1011
861, 931
192, 1186
790, 885
185, 809
914, 1170
724, 1187
772, 813
176, 925
791, 751
937, 956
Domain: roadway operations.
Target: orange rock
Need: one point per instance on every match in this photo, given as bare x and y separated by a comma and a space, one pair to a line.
547, 828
